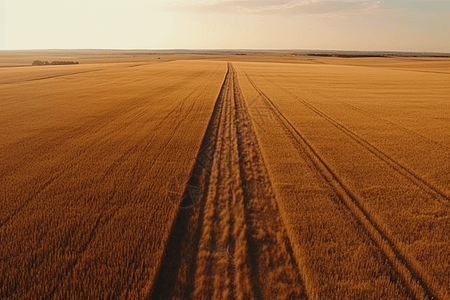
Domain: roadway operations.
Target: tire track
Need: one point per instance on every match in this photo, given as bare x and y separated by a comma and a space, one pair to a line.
419, 286
202, 280
176, 272
402, 128
269, 243
232, 245
417, 180
50, 77
30, 199
132, 150
366, 113
118, 162
177, 109
420, 71
105, 216
139, 65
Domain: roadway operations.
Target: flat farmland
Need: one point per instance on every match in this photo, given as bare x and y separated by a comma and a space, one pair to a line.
85, 155
226, 178
362, 177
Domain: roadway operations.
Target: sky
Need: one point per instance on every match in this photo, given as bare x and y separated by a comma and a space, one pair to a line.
364, 25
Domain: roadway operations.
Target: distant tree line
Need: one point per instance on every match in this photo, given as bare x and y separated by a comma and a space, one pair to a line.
46, 63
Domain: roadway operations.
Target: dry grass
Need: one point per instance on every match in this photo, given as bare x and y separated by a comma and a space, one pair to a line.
83, 160
316, 177
375, 139
233, 244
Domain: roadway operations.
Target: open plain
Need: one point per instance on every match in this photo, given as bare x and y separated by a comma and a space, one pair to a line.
263, 176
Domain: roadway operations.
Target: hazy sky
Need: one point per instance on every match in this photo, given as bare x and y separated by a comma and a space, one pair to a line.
217, 24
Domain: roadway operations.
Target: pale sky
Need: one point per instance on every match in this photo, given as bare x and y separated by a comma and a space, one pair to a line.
389, 25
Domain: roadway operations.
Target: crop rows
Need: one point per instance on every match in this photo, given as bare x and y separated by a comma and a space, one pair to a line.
189, 180
83, 213
232, 243
343, 168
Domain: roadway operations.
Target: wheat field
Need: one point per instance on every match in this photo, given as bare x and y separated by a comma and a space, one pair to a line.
223, 177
